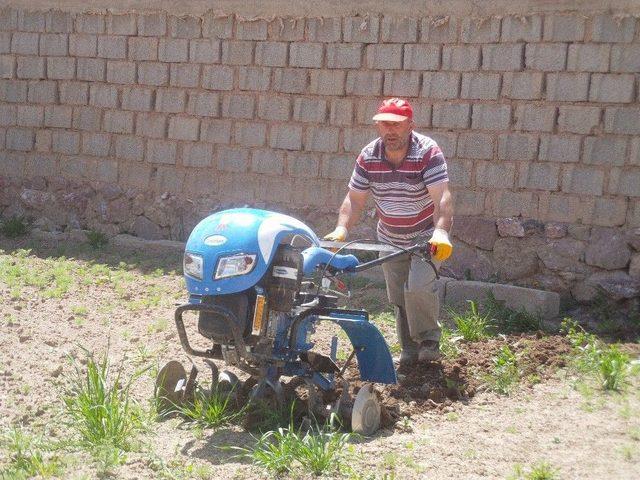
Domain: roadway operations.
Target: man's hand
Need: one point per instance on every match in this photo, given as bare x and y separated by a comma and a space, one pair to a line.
338, 235
443, 248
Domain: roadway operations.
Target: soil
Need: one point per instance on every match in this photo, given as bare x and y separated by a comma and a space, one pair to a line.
440, 421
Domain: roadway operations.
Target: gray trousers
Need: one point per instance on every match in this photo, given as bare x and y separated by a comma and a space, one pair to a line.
412, 290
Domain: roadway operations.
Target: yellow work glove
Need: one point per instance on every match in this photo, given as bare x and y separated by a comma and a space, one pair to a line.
338, 235
440, 241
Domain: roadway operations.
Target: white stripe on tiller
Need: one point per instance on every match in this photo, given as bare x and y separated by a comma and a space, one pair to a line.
285, 272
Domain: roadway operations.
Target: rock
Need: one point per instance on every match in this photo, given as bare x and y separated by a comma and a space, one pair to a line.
35, 183
117, 211
58, 184
633, 239
565, 254
55, 371
607, 249
618, 285
476, 231
555, 230
514, 258
532, 227
634, 266
77, 235
467, 263
145, 228
510, 227
111, 192
35, 199
76, 202
580, 232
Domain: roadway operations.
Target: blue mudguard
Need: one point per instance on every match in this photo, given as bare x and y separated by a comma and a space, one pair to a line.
315, 256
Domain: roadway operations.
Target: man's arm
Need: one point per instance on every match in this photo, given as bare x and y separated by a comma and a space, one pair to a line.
443, 205
350, 211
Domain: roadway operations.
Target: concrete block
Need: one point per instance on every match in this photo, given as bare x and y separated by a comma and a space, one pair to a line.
290, 80
237, 52
614, 88
336, 167
29, 115
7, 66
582, 180
161, 151
309, 110
535, 118
539, 176
366, 108
87, 118
232, 159
184, 128
546, 56
468, 202
635, 152
173, 50
91, 69
577, 119
361, 29
31, 21
356, 138
609, 212
522, 86
439, 30
8, 18
214, 26
625, 182
347, 55
623, 120
419, 57
328, 82
515, 146
238, 106
8, 115
480, 30
267, 162
274, 108
421, 114
399, 30
215, 131
321, 139
103, 96
464, 58
137, 99
90, 23
216, 77
171, 100
402, 84
286, 137
31, 67
568, 87
475, 145
302, 165
605, 150
184, 75
563, 208
625, 58
13, 91
152, 25
43, 141
54, 44
286, 29
341, 112
112, 46
58, 21
250, 134
481, 86
203, 104
440, 85
129, 148
503, 57
364, 82
153, 73
205, 50
251, 30
504, 203
96, 144
324, 29
41, 91
197, 155
460, 172
117, 121
21, 139
564, 28
65, 142
610, 28
588, 57
521, 28
121, 24
23, 43
446, 115
5, 42
271, 54
143, 48
491, 117
184, 27
306, 55
61, 68
58, 116
495, 175
121, 72
254, 78
384, 56
556, 148
446, 141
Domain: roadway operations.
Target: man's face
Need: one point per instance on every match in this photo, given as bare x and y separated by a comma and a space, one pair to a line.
395, 135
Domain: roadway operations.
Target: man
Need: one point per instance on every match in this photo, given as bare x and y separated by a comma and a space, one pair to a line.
407, 174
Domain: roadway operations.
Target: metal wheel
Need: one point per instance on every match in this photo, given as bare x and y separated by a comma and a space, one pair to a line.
228, 382
365, 415
170, 384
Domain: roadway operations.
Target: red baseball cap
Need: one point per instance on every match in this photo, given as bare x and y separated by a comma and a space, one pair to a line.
393, 110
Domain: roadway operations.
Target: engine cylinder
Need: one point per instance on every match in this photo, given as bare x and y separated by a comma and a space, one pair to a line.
283, 279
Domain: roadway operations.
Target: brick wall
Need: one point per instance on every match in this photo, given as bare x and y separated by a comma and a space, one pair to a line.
538, 115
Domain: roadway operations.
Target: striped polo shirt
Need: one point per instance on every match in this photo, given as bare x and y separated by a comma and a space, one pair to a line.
405, 208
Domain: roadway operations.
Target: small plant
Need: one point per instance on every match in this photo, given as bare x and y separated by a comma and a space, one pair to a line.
613, 367
508, 320
96, 239
505, 373
14, 227
471, 325
26, 456
209, 410
449, 343
540, 471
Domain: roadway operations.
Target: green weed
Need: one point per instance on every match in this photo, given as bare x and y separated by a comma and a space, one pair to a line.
209, 409
14, 226
449, 343
613, 367
28, 456
508, 320
505, 373
471, 325
96, 239
540, 471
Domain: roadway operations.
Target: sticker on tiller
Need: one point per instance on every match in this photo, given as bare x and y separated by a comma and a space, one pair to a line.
285, 272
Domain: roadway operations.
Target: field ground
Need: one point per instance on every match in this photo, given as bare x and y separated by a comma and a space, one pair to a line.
64, 302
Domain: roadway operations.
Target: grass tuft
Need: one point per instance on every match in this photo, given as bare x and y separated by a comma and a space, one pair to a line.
96, 239
505, 373
27, 456
540, 471
14, 226
209, 409
508, 320
472, 325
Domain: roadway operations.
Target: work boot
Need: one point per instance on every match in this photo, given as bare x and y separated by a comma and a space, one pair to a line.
429, 351
407, 358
